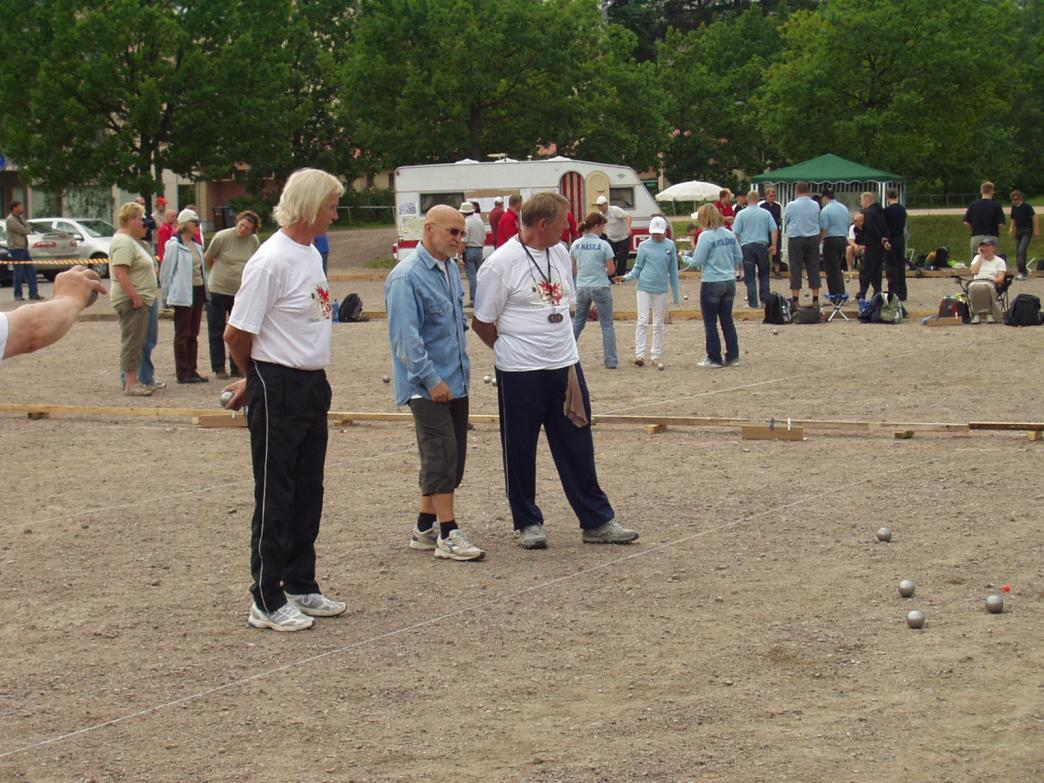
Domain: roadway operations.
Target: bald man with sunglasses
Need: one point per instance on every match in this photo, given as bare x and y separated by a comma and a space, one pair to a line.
424, 299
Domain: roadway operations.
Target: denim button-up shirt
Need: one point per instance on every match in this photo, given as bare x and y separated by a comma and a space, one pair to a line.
426, 327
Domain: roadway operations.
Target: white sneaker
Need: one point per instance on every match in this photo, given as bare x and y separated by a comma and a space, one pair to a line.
732, 362
707, 364
457, 547
317, 605
424, 539
286, 618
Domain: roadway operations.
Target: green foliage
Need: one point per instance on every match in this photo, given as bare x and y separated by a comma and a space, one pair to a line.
911, 86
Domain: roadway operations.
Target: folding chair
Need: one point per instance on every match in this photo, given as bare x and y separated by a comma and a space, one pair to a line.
838, 301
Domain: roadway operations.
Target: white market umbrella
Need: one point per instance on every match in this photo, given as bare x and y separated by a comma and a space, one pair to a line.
693, 190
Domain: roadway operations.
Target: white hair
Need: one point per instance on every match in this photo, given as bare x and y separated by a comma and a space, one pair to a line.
303, 196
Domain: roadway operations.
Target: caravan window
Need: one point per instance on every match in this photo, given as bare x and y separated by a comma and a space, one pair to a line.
429, 200
622, 197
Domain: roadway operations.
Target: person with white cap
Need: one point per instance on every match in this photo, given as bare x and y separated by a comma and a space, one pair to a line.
617, 231
474, 240
494, 218
183, 281
655, 268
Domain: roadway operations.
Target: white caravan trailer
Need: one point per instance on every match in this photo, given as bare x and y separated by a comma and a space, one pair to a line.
419, 188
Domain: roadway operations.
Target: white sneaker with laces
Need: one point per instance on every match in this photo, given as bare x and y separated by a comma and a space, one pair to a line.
424, 539
456, 546
286, 618
317, 605
707, 364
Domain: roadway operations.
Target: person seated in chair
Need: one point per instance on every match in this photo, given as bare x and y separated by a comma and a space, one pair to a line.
989, 281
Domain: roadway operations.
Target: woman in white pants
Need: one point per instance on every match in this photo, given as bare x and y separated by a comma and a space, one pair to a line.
655, 268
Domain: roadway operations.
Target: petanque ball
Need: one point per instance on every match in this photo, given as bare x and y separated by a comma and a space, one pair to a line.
915, 619
884, 534
775, 331
686, 297
93, 298
486, 379
660, 366
995, 604
226, 398
494, 381
386, 379
906, 588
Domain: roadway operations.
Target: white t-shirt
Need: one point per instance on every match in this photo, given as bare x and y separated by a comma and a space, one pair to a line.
513, 295
285, 303
989, 270
616, 224
474, 231
3, 336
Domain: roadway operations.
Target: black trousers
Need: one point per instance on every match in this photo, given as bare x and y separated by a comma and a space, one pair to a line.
218, 310
620, 250
528, 401
186, 334
833, 258
870, 271
895, 268
288, 433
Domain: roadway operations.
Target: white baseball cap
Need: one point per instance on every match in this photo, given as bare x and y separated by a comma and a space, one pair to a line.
498, 200
187, 216
657, 226
601, 200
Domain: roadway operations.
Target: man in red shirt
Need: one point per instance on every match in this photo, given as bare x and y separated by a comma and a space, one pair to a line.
166, 230
508, 225
570, 233
494, 218
724, 206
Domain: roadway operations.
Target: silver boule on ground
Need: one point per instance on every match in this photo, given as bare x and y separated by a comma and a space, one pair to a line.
915, 619
906, 588
884, 534
995, 603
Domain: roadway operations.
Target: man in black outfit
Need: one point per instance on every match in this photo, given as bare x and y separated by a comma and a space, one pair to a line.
1025, 224
875, 244
984, 218
895, 259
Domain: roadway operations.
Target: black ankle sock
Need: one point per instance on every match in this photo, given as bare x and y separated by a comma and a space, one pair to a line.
425, 521
445, 528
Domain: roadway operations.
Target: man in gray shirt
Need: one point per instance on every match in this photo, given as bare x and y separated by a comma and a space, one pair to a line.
801, 225
18, 244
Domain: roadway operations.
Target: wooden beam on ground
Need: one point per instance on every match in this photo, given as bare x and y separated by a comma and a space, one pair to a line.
220, 420
903, 434
1006, 425
1035, 435
653, 429
35, 415
761, 432
104, 410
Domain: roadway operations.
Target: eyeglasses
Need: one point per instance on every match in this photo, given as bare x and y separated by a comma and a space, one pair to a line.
453, 232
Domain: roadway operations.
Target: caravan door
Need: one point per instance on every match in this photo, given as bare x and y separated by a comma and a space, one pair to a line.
571, 185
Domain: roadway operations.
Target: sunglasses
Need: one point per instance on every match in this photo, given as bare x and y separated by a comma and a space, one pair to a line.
453, 232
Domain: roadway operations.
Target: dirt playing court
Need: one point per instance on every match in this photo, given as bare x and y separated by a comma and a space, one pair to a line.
753, 633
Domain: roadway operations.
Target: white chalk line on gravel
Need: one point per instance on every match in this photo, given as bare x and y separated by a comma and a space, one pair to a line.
817, 496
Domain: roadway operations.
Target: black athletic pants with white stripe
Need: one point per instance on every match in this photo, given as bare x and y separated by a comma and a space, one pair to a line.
288, 433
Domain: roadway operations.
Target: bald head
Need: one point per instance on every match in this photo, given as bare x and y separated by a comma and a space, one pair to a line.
443, 232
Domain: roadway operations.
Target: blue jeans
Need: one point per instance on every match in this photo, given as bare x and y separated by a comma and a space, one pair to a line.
23, 271
716, 305
146, 370
472, 262
756, 272
603, 300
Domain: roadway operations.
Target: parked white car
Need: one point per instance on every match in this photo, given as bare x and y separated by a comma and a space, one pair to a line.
92, 237
44, 246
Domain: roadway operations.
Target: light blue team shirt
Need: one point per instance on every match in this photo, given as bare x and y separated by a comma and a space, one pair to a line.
801, 218
424, 300
655, 267
718, 254
591, 252
754, 225
834, 220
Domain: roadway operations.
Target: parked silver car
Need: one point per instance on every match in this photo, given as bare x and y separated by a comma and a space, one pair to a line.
44, 246
92, 237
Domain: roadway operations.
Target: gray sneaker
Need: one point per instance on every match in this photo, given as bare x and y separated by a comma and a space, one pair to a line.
424, 539
286, 618
532, 537
612, 532
317, 605
456, 546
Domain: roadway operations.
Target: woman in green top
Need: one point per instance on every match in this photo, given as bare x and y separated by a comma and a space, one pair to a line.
133, 291
226, 256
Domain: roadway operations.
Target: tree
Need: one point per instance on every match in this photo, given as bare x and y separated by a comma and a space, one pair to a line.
116, 91
474, 79
911, 86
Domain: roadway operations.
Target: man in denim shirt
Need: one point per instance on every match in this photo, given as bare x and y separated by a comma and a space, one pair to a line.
424, 299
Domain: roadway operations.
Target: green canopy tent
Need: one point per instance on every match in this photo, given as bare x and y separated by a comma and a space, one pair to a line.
846, 177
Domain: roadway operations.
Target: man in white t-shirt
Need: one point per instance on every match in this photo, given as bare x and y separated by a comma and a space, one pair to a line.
35, 326
617, 232
522, 313
989, 279
279, 334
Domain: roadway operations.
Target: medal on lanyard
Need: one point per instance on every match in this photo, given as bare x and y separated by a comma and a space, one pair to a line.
554, 317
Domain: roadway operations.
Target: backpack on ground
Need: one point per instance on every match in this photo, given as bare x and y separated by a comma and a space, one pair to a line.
939, 258
351, 309
1024, 311
955, 306
777, 309
807, 315
891, 310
